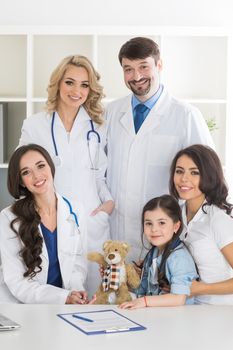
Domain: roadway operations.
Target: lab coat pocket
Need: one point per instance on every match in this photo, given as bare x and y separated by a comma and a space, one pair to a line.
101, 218
103, 215
73, 246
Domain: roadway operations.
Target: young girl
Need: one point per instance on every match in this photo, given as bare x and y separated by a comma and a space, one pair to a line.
197, 178
42, 246
168, 261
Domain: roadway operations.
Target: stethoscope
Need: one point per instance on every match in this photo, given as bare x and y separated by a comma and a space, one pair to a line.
71, 211
91, 135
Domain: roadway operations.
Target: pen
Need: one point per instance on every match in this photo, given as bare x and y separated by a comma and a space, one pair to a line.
82, 318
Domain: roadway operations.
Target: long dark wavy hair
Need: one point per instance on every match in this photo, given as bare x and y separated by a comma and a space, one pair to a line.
170, 206
212, 181
24, 208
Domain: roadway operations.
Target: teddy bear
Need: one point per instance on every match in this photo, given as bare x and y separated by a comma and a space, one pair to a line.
118, 276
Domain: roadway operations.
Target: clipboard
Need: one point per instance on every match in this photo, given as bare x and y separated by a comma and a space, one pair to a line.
101, 322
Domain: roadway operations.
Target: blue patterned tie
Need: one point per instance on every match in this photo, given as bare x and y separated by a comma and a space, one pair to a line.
140, 110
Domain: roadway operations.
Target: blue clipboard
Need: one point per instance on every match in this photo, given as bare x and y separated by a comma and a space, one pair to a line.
101, 322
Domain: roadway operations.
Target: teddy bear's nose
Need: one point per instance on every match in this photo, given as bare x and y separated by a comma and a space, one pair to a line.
111, 256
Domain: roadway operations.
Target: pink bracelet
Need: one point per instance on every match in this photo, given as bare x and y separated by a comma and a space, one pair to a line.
145, 301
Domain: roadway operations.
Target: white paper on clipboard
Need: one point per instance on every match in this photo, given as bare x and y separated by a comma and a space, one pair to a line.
102, 322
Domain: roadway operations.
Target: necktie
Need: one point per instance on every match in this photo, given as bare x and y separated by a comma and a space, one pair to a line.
140, 110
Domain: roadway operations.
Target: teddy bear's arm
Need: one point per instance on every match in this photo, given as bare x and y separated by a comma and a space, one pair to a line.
96, 257
133, 279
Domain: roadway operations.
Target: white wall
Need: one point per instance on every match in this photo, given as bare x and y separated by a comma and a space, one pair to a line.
116, 12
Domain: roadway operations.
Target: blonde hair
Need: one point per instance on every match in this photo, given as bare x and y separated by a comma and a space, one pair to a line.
93, 104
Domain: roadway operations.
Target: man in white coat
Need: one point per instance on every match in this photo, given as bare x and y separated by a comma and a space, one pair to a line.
140, 152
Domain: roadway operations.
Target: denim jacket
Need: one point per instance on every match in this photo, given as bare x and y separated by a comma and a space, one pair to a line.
180, 270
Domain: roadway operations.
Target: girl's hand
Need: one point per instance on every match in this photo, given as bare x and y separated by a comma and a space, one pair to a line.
77, 297
134, 304
101, 270
107, 207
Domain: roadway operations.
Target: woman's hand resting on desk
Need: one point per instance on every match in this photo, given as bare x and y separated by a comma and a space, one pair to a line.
79, 298
107, 207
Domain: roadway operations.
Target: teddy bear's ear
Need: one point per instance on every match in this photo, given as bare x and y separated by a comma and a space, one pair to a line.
106, 243
126, 246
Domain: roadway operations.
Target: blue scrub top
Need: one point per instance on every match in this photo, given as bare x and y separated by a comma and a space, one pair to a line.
54, 272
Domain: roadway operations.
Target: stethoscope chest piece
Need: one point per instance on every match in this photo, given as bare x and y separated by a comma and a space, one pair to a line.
57, 161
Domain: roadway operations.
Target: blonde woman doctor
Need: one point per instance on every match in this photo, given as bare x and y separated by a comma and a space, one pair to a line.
73, 132
42, 241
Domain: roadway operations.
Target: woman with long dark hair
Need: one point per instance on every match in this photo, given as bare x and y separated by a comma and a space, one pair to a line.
197, 178
42, 240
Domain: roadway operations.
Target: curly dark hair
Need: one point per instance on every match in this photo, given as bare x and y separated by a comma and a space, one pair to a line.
212, 181
27, 219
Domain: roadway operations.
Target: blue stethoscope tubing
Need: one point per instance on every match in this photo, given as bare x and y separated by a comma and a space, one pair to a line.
91, 131
71, 211
53, 136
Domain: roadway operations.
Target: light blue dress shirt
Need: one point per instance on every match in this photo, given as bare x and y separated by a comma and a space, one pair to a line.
149, 103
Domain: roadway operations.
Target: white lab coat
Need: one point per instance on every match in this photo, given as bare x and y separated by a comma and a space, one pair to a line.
74, 178
138, 164
71, 245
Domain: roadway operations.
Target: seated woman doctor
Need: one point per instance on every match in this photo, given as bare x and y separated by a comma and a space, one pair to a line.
42, 239
197, 179
72, 130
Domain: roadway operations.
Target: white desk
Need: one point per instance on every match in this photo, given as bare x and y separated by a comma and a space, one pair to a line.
181, 328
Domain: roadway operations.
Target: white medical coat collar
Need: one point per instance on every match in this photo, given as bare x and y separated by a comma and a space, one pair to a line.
151, 122
81, 116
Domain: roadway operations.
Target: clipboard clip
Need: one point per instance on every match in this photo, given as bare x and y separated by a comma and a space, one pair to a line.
120, 329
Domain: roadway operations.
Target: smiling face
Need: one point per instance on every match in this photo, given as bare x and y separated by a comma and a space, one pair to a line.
142, 76
187, 180
74, 88
159, 228
35, 173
